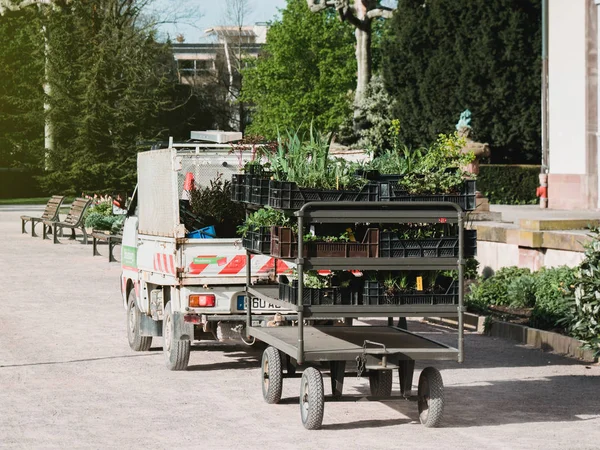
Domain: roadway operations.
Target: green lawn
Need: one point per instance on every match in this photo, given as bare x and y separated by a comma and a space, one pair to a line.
30, 201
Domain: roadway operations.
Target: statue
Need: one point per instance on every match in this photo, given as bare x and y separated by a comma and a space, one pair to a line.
479, 150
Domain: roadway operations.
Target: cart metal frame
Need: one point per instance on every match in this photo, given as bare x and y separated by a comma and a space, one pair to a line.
375, 348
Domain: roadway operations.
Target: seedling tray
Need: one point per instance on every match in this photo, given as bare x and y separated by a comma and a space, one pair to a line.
284, 244
250, 188
312, 297
391, 246
374, 294
391, 191
287, 195
258, 240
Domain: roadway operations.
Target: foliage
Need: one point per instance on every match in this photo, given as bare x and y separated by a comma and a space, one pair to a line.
509, 184
583, 318
494, 290
552, 287
441, 57
264, 217
306, 161
374, 112
21, 94
520, 292
99, 216
213, 205
304, 75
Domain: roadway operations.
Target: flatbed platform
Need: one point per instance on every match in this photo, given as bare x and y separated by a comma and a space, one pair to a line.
345, 343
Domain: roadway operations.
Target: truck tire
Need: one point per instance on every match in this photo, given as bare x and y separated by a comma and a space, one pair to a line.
176, 351
312, 399
431, 397
137, 342
272, 378
380, 382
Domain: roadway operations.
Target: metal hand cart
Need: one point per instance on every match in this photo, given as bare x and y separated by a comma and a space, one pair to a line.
375, 350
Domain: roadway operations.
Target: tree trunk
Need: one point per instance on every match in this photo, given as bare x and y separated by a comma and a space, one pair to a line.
363, 59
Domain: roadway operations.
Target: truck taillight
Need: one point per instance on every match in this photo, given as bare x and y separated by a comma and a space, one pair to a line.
201, 300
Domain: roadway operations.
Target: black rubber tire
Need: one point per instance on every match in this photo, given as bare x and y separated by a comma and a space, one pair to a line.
137, 342
380, 382
312, 399
177, 352
271, 376
431, 397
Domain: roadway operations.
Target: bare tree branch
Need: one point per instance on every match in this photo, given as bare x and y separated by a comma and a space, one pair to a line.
316, 7
382, 11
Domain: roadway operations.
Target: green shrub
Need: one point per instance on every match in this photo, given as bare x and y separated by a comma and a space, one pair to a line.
493, 290
509, 184
583, 318
520, 292
552, 303
100, 216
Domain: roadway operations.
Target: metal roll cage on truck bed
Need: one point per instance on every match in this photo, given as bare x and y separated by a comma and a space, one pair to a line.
373, 350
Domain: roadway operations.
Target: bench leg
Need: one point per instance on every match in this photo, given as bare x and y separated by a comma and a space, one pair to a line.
44, 231
23, 226
55, 233
85, 240
95, 247
111, 246
72, 238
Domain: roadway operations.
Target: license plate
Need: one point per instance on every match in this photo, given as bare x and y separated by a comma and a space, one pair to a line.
258, 304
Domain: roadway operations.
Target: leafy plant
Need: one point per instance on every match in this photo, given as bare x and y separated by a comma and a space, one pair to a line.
583, 318
553, 287
213, 206
520, 292
264, 217
494, 290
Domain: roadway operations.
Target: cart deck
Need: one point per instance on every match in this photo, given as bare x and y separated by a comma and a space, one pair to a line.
345, 343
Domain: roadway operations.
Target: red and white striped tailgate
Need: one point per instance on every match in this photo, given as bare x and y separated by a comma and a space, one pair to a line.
164, 263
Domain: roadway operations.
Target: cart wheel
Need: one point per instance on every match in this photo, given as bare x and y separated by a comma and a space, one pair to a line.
312, 399
380, 382
272, 380
431, 397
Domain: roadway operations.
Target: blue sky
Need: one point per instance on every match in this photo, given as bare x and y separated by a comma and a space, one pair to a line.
204, 14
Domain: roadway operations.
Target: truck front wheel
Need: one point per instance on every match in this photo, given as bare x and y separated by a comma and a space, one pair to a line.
176, 351
137, 342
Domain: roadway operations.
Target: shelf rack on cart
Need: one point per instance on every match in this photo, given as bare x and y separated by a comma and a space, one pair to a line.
377, 350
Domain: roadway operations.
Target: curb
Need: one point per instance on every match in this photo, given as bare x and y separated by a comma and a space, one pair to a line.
545, 340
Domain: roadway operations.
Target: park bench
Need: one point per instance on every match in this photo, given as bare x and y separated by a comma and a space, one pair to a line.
50, 213
75, 219
111, 239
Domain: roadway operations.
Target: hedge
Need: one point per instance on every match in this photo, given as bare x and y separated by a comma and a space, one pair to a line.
19, 183
504, 184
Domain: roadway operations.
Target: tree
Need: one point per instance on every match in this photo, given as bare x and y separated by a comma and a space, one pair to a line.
21, 94
360, 15
442, 57
111, 81
304, 75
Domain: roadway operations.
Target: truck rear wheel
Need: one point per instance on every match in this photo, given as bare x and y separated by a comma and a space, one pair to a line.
137, 342
176, 351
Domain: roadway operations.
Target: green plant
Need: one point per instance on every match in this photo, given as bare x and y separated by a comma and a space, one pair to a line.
520, 292
493, 290
213, 206
99, 216
583, 317
509, 184
553, 287
264, 217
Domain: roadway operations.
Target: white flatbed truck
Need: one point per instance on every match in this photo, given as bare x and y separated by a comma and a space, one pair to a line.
182, 288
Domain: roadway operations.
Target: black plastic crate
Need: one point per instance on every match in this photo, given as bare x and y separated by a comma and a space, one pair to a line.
260, 191
391, 246
287, 195
391, 191
237, 189
258, 240
313, 297
374, 294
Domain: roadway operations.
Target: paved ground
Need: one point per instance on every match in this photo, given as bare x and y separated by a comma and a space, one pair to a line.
69, 380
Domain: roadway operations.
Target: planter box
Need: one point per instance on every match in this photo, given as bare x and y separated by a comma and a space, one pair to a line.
374, 294
287, 195
284, 244
390, 191
258, 240
312, 297
391, 246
